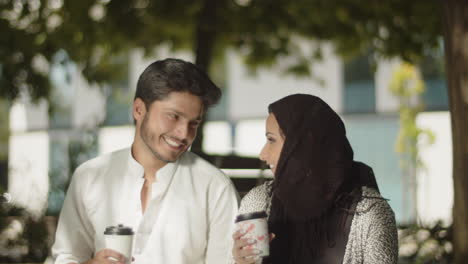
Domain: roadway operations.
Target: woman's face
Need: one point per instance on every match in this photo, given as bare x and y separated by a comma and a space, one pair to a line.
274, 144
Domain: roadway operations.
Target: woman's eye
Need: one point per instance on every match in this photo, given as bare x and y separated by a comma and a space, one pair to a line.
271, 140
194, 124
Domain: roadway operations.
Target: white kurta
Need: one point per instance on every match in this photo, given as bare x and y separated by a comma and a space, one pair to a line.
188, 220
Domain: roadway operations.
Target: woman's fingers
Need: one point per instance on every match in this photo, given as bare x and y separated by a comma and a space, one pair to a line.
246, 256
238, 234
244, 242
272, 236
244, 251
248, 260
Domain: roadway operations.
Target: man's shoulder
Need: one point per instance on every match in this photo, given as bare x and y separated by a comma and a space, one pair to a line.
102, 162
202, 167
198, 163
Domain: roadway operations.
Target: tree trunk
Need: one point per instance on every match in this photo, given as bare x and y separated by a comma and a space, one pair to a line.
4, 138
205, 39
455, 14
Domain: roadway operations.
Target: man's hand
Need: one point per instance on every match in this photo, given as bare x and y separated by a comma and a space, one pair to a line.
107, 256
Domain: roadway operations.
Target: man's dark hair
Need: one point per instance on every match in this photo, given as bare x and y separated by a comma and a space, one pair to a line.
174, 75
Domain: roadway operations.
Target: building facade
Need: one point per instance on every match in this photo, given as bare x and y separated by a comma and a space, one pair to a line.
86, 121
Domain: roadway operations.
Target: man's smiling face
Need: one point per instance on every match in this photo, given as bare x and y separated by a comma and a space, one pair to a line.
170, 125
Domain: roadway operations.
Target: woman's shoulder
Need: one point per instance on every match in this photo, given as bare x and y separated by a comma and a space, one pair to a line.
372, 203
256, 199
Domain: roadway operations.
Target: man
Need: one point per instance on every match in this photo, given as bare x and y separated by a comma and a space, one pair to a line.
181, 207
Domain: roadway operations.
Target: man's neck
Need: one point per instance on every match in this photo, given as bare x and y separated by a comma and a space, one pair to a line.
150, 164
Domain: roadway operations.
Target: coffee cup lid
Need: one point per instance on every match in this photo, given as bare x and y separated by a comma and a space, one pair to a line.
118, 230
253, 215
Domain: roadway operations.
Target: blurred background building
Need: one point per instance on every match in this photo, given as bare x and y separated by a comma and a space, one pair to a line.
87, 120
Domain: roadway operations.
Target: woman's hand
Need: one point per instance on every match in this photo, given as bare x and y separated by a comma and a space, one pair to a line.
244, 251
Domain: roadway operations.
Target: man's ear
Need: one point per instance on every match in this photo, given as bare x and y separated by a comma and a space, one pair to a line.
139, 109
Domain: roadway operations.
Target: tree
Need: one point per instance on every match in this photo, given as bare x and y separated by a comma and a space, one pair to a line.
407, 86
264, 31
455, 13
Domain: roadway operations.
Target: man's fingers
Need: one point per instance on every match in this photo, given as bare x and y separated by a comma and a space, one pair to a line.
111, 260
110, 256
116, 255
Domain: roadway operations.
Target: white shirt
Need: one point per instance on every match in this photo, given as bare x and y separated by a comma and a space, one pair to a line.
189, 218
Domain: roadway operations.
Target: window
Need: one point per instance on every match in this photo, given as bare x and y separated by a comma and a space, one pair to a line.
433, 71
359, 87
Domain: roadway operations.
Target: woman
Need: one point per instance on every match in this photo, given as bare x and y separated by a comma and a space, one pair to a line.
322, 206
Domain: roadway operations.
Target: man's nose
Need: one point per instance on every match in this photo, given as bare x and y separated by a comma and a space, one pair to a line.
182, 130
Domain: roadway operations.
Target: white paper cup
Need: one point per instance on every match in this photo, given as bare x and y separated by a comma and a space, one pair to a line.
120, 238
256, 226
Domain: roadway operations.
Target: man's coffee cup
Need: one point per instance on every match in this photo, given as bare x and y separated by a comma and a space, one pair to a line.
256, 227
120, 238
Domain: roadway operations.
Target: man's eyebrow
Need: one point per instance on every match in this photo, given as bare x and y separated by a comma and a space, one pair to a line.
198, 118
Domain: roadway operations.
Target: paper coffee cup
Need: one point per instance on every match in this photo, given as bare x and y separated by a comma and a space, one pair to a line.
256, 226
120, 238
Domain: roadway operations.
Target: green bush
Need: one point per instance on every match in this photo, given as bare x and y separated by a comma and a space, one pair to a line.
425, 244
23, 236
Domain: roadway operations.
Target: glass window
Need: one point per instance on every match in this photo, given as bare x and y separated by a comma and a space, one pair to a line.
433, 71
359, 88
60, 104
119, 94
67, 151
373, 140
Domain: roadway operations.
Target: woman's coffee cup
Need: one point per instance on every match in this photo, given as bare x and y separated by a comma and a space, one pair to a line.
120, 238
255, 226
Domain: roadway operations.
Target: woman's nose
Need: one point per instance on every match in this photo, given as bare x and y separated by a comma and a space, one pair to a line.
263, 155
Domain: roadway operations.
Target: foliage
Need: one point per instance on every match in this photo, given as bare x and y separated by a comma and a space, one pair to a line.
407, 86
94, 33
4, 133
425, 244
23, 237
81, 147
289, 34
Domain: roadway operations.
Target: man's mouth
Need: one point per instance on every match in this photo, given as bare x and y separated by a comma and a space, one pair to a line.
175, 143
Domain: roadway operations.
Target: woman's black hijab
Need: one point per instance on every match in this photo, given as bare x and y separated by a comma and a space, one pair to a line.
315, 170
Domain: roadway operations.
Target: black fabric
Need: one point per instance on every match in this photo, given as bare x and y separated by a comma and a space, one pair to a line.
315, 182
335, 254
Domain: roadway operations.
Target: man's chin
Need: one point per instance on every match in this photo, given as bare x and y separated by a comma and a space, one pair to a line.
167, 159
170, 158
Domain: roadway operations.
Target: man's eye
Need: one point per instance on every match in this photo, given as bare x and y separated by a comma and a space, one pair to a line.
173, 116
